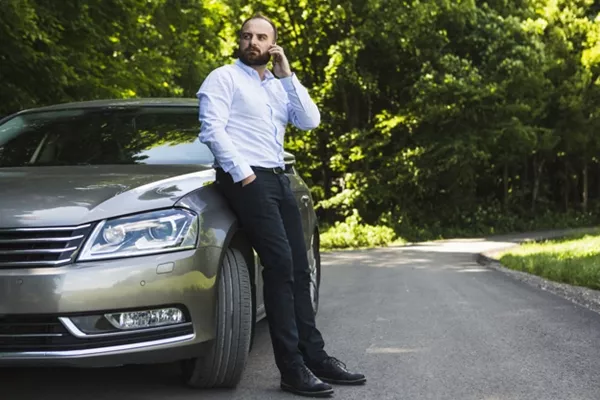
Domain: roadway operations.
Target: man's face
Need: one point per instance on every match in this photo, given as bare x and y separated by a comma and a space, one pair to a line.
256, 38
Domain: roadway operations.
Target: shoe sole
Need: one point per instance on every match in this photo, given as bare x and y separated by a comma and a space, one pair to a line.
323, 393
336, 382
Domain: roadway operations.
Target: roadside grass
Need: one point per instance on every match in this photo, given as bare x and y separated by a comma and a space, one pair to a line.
331, 246
574, 259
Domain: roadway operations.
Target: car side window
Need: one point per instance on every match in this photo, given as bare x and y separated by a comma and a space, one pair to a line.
128, 135
57, 138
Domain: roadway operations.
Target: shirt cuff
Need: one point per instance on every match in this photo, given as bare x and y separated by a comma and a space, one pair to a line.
288, 82
240, 172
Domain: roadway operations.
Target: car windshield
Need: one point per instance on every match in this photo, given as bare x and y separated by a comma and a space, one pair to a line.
95, 136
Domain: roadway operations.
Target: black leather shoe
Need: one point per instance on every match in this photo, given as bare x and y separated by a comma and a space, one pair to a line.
332, 370
301, 381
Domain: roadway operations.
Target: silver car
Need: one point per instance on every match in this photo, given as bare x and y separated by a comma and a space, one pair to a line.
116, 248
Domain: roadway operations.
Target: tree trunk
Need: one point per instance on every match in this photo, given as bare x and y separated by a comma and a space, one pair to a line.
537, 177
525, 182
598, 182
505, 182
567, 187
326, 171
585, 193
575, 188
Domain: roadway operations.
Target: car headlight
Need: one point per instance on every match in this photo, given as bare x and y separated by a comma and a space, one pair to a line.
142, 234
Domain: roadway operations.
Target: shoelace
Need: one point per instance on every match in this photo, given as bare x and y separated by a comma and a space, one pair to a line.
306, 373
337, 362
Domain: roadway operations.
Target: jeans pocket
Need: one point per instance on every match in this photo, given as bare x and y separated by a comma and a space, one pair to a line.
248, 185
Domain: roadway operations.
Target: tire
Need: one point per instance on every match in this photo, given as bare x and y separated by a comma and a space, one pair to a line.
223, 364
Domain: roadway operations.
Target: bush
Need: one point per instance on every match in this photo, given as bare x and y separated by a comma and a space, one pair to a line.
487, 220
353, 233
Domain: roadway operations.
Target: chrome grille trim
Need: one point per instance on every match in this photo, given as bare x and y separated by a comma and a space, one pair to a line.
33, 335
38, 251
35, 263
118, 349
48, 229
41, 247
44, 334
75, 331
49, 240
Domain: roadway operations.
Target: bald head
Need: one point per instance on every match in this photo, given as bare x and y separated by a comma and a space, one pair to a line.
263, 22
257, 35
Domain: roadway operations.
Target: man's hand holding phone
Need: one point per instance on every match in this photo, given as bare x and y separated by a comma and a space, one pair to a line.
281, 66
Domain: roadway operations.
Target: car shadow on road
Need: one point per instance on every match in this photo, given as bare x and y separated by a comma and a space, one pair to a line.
132, 382
439, 256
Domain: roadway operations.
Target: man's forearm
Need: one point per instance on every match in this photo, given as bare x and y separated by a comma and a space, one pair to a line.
303, 111
226, 153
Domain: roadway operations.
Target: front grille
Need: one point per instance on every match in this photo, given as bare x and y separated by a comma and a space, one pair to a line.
34, 334
21, 333
40, 247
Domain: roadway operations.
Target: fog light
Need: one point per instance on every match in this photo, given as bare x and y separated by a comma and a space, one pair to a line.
146, 319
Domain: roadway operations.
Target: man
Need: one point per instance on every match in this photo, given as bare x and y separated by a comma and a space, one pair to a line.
244, 109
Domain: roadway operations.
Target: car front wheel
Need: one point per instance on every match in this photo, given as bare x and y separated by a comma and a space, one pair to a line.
222, 366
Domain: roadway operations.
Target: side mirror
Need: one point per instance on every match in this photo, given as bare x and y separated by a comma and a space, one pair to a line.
290, 161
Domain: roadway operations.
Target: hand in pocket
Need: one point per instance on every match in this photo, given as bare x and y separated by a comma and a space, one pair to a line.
248, 180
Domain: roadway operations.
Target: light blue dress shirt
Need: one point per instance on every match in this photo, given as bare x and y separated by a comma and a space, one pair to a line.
243, 119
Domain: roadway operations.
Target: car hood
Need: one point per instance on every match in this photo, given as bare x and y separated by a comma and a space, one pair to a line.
68, 196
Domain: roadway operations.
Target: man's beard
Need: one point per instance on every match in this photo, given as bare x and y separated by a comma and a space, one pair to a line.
248, 58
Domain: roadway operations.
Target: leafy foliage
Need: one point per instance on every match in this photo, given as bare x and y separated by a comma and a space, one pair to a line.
438, 118
352, 233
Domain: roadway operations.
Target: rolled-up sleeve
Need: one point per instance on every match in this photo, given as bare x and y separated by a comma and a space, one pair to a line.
303, 113
215, 97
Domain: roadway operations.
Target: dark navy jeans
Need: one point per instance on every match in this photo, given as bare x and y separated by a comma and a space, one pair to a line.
269, 214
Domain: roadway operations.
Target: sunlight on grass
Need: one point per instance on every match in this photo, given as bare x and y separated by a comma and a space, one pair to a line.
572, 260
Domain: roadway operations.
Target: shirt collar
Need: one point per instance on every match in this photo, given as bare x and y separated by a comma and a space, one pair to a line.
250, 71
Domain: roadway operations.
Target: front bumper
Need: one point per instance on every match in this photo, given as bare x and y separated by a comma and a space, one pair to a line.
37, 304
159, 351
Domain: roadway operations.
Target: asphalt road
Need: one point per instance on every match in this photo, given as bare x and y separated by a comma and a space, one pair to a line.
423, 322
